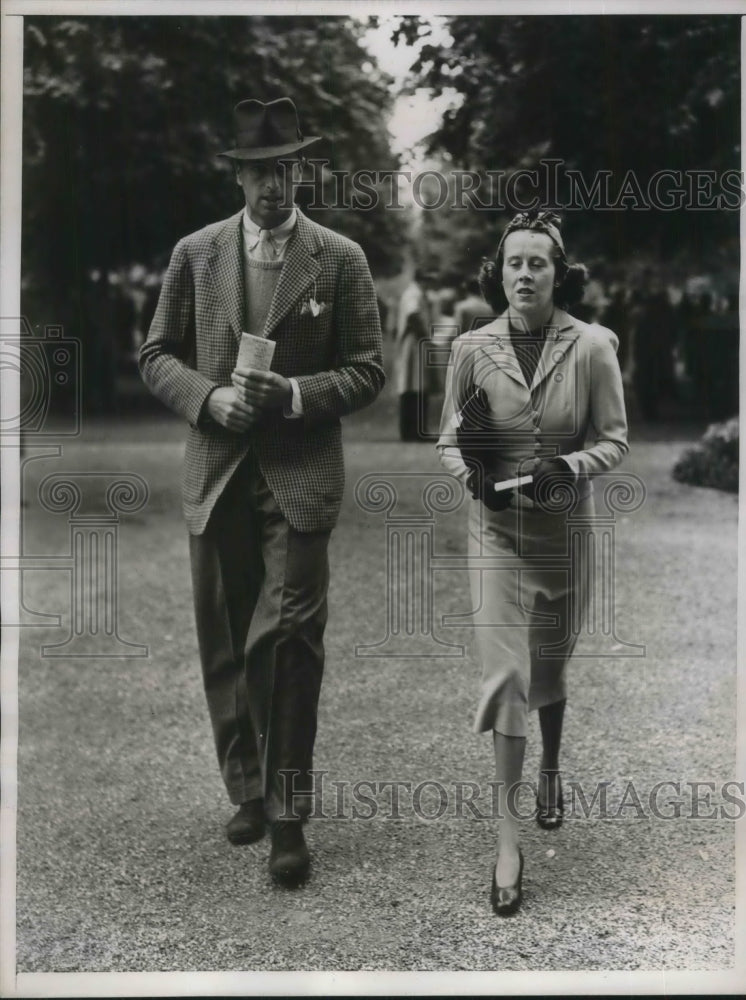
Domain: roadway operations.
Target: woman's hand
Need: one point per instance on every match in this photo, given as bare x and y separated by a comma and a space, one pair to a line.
482, 487
547, 473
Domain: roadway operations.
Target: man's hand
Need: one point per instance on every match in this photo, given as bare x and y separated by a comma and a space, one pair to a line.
227, 409
262, 390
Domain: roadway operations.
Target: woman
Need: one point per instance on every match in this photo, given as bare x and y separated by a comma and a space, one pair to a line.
547, 379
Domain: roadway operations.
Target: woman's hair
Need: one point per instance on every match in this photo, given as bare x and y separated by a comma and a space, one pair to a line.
569, 279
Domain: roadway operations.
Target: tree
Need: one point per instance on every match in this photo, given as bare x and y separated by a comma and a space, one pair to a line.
123, 117
452, 237
627, 94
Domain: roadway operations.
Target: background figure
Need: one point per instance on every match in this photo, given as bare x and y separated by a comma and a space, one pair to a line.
595, 299
654, 322
471, 310
694, 307
101, 323
710, 345
153, 283
124, 304
616, 316
443, 299
413, 381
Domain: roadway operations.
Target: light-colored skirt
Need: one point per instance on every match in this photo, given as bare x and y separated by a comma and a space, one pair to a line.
529, 592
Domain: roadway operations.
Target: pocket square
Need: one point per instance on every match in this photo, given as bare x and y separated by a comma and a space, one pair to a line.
314, 308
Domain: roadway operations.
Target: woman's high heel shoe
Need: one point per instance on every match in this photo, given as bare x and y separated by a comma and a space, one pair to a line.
550, 817
506, 899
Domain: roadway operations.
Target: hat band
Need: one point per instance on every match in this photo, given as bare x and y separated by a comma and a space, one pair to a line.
252, 139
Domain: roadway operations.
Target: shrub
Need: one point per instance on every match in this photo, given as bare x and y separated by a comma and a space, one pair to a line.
714, 461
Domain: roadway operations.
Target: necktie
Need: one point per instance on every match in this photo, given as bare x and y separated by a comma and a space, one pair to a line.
266, 248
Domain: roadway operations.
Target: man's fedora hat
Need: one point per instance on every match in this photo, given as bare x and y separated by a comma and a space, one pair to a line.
264, 131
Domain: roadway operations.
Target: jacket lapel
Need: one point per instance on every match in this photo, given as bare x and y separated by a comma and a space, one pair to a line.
561, 335
299, 272
500, 350
227, 271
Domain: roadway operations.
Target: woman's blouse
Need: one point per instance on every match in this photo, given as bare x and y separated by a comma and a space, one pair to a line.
528, 349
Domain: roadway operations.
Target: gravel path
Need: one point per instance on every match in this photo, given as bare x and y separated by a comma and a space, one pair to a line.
122, 861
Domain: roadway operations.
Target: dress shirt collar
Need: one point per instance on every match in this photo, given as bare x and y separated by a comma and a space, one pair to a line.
278, 236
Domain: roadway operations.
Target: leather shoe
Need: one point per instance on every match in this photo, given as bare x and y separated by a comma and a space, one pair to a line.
506, 899
550, 817
289, 860
247, 826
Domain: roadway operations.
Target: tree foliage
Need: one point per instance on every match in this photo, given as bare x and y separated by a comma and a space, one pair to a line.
600, 93
123, 117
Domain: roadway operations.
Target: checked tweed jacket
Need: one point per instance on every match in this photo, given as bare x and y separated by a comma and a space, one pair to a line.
335, 357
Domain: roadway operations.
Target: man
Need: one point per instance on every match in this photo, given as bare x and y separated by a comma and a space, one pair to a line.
263, 474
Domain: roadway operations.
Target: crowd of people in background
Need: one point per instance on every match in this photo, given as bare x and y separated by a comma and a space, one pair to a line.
118, 308
678, 344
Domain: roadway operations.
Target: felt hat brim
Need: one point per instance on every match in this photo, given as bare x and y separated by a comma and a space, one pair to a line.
268, 152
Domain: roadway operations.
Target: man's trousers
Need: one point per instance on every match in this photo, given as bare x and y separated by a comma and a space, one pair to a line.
260, 591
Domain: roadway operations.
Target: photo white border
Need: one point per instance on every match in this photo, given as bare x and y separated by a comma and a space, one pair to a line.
287, 983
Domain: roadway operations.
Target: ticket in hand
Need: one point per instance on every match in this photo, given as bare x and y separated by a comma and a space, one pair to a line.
511, 484
255, 352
